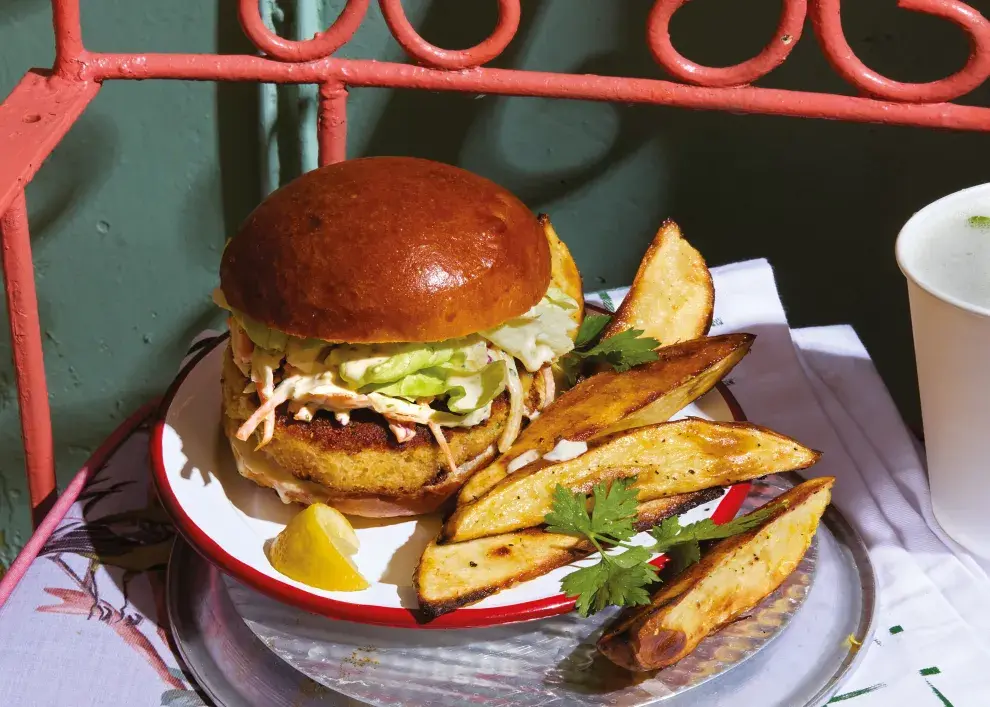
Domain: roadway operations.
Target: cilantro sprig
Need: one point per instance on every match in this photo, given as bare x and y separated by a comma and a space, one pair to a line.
682, 543
618, 579
621, 351
624, 578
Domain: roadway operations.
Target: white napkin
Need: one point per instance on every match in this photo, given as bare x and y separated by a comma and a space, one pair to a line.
931, 645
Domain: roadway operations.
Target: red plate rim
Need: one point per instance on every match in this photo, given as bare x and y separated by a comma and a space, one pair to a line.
361, 613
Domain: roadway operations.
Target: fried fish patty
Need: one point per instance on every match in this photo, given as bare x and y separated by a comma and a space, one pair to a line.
358, 467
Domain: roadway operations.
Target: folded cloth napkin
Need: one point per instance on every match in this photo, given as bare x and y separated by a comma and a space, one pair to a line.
817, 385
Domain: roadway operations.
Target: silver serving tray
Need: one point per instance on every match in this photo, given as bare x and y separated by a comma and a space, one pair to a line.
549, 662
229, 663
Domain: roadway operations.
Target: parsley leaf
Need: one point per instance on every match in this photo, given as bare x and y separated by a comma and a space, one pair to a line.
584, 585
591, 328
625, 350
618, 580
979, 221
625, 578
684, 555
622, 351
615, 510
682, 542
570, 365
569, 514
610, 521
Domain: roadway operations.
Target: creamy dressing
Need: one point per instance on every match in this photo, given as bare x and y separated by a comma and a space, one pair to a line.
539, 336
566, 450
522, 460
401, 381
252, 464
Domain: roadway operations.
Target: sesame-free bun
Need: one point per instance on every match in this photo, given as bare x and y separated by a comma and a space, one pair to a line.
387, 249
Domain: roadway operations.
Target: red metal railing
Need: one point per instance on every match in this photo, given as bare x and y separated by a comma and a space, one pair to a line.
46, 103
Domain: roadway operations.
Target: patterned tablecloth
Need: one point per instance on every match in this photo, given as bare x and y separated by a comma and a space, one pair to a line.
87, 623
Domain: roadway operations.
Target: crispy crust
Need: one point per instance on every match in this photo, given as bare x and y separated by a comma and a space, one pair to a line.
667, 459
610, 401
731, 578
360, 468
672, 297
387, 249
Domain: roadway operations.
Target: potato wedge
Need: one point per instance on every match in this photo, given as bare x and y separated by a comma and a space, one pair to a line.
451, 576
672, 297
603, 403
667, 459
733, 577
564, 273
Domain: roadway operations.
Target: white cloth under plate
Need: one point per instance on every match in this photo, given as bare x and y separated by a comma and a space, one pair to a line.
62, 634
818, 385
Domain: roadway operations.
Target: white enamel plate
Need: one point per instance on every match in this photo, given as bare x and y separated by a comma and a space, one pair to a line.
228, 519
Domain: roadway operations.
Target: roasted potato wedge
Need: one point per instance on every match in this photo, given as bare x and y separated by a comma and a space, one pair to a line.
564, 273
451, 576
672, 296
602, 403
732, 578
667, 459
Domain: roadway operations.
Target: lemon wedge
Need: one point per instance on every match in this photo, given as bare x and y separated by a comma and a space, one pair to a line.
315, 548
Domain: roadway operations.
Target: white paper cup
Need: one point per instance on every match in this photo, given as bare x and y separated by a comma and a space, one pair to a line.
947, 264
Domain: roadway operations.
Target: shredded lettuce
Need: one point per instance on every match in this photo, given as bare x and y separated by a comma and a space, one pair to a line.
265, 337
539, 336
469, 392
362, 365
304, 354
261, 335
466, 390
561, 299
428, 383
400, 375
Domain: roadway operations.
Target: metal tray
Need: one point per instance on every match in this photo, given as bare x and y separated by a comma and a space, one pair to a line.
552, 662
229, 663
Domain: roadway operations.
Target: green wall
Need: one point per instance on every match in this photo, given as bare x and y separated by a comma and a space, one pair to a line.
130, 213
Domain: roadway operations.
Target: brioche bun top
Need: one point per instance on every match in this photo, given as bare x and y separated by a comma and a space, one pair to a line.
387, 249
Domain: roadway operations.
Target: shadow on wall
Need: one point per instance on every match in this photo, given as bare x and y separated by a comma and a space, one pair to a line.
822, 201
74, 172
237, 127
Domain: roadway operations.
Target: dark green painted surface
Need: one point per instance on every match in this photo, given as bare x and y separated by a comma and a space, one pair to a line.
130, 213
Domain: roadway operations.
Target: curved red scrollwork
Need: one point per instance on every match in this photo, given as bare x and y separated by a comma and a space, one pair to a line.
322, 45
773, 55
828, 26
420, 50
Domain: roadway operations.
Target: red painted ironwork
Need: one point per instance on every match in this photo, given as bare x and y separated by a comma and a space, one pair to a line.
68, 37
35, 116
773, 55
828, 25
43, 107
425, 53
332, 123
29, 361
323, 44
